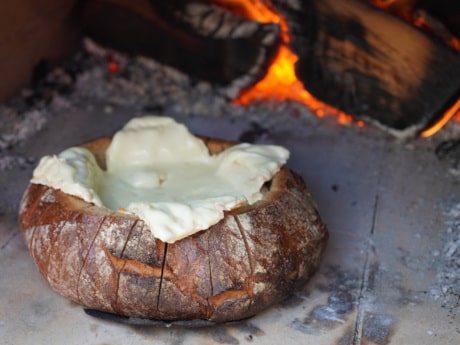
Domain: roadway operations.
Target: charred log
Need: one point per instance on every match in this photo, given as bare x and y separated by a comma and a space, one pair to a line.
446, 12
376, 67
199, 38
352, 55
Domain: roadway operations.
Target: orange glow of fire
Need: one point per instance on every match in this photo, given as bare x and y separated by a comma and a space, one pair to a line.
280, 83
452, 112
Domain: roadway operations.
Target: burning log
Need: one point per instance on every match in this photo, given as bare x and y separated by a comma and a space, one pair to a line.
348, 54
376, 67
203, 40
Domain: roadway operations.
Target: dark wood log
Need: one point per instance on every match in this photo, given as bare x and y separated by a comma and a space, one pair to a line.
446, 11
352, 55
376, 67
199, 38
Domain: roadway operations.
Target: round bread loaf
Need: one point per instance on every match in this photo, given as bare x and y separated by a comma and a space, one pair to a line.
257, 255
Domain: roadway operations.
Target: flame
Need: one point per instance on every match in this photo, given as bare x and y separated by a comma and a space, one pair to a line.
450, 113
280, 82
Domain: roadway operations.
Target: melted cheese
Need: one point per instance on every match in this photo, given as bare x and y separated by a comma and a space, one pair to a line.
159, 171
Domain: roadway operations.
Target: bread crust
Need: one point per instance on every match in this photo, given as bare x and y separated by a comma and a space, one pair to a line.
257, 255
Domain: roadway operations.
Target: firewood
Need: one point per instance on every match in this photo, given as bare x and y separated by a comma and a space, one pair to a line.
198, 38
376, 67
352, 55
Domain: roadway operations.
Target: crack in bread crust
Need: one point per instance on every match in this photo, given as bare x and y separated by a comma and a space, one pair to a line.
254, 257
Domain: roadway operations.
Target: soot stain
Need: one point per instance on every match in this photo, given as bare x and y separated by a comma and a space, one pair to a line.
328, 316
40, 308
449, 151
178, 338
373, 271
292, 302
348, 337
250, 330
339, 279
378, 328
412, 262
39, 312
145, 331
409, 297
222, 336
252, 134
303, 327
341, 286
149, 332
341, 302
397, 292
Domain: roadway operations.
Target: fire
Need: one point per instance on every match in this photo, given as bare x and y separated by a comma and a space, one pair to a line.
450, 113
280, 82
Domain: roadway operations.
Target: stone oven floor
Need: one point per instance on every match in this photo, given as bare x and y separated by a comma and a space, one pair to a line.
389, 275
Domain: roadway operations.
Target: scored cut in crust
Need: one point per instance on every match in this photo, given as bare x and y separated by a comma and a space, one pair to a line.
109, 261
